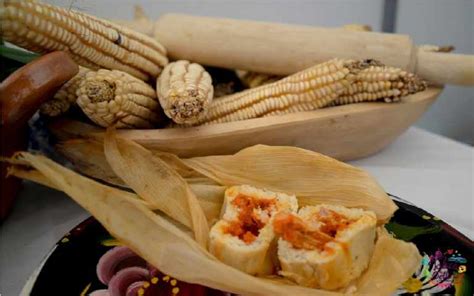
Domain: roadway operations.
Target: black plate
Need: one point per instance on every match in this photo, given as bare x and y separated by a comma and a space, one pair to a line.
446, 267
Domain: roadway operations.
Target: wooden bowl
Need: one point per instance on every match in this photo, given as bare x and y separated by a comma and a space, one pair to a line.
345, 132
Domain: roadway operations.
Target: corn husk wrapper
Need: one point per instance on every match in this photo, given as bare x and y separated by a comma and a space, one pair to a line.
210, 196
89, 158
312, 177
157, 183
176, 253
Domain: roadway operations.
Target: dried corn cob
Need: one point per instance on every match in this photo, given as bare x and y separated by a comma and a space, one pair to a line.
92, 42
65, 96
310, 89
109, 97
185, 91
379, 82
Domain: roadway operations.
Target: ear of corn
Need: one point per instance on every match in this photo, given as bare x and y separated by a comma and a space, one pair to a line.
65, 96
92, 42
114, 97
333, 82
185, 91
310, 89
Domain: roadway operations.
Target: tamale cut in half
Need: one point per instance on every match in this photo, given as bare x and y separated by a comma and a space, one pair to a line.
325, 246
244, 236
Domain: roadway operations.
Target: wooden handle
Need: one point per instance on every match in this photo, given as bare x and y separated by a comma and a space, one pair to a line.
21, 94
446, 68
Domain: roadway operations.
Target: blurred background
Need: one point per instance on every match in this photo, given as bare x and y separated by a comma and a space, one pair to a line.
437, 22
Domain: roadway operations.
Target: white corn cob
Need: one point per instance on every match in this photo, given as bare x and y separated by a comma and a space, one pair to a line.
333, 82
185, 90
92, 42
114, 97
310, 89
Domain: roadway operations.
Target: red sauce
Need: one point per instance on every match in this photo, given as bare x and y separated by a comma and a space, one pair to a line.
332, 222
296, 231
248, 225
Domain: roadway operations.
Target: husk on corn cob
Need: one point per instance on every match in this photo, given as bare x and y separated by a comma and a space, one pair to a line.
114, 97
185, 90
65, 96
92, 42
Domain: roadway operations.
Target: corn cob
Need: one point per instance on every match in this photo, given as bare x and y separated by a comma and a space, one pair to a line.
92, 42
65, 97
115, 97
185, 90
379, 82
310, 89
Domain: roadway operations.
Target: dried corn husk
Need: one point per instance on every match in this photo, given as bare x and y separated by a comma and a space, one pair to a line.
174, 252
210, 196
158, 184
312, 177
315, 178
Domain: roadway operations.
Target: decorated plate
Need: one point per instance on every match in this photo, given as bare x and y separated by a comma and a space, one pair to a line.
88, 260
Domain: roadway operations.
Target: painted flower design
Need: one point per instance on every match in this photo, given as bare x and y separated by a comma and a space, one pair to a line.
436, 273
126, 274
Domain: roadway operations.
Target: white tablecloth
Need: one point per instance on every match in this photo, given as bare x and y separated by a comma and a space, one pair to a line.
432, 172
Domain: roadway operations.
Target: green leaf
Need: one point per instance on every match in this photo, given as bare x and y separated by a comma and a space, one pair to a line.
408, 233
17, 54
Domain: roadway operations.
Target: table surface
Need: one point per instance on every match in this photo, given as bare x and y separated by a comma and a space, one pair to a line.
432, 172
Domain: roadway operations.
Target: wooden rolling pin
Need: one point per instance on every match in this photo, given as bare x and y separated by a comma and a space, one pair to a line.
284, 49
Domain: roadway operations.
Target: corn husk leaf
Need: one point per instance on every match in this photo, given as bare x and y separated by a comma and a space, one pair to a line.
315, 178
210, 196
392, 259
312, 177
156, 182
88, 158
174, 252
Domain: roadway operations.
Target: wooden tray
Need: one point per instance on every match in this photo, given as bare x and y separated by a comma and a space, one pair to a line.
344, 132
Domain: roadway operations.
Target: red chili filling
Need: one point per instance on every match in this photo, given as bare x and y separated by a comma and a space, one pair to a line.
248, 225
296, 231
